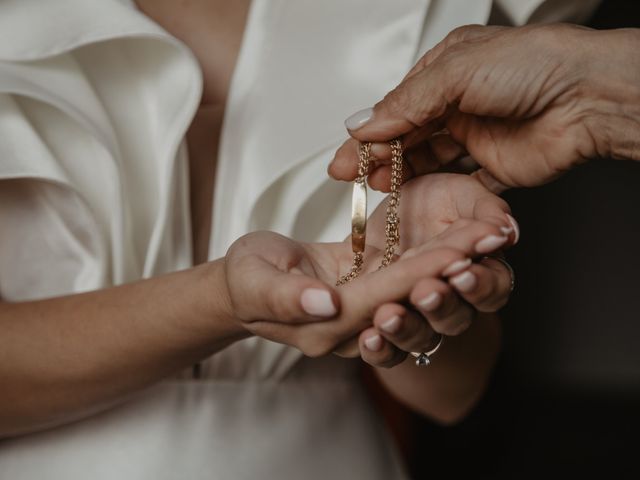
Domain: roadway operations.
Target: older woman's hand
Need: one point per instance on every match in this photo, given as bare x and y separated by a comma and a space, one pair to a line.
526, 103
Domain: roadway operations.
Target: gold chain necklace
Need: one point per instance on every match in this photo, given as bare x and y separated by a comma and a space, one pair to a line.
359, 210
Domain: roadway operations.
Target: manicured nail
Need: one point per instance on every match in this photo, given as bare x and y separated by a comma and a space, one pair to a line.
506, 230
358, 119
318, 302
516, 227
392, 325
490, 243
465, 282
430, 302
456, 267
373, 343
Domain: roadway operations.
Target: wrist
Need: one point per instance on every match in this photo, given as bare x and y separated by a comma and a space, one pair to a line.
612, 89
218, 310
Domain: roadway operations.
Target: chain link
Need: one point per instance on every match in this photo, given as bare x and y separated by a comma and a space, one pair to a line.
392, 226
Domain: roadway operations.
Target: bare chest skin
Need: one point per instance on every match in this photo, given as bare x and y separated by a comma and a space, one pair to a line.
213, 30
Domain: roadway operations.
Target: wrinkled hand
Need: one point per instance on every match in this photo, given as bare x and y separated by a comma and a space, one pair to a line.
526, 103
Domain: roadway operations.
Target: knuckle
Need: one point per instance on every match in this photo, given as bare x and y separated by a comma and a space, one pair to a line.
440, 327
388, 364
422, 290
410, 252
486, 285
415, 327
437, 259
459, 33
397, 100
452, 57
383, 359
449, 255
551, 35
456, 321
455, 324
459, 327
241, 261
500, 302
496, 298
349, 349
392, 358
486, 228
485, 299
408, 101
446, 325
494, 302
280, 306
486, 303
461, 223
242, 243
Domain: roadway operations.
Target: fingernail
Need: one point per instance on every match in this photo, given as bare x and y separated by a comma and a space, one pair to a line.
506, 230
379, 150
465, 282
490, 243
373, 343
358, 119
457, 267
392, 325
430, 302
516, 227
318, 302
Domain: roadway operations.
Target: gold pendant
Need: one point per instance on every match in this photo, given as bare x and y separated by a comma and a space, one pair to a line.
359, 210
359, 217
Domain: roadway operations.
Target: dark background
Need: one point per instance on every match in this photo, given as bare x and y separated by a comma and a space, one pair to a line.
565, 397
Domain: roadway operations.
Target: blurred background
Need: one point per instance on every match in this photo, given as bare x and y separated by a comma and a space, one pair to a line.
565, 396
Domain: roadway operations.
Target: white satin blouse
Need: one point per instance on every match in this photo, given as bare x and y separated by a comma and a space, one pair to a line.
95, 100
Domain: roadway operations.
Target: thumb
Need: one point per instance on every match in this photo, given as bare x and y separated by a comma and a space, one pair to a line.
414, 103
489, 181
288, 297
424, 94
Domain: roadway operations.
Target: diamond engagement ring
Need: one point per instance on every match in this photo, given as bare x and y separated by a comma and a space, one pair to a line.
424, 358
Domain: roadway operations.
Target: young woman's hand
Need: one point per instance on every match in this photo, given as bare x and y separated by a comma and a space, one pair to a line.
439, 210
284, 290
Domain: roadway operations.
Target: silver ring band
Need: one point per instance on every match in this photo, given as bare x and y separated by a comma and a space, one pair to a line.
424, 358
512, 273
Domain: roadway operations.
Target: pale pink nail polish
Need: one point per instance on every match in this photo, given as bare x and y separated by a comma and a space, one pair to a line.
465, 282
318, 302
373, 343
516, 227
457, 267
358, 119
430, 302
392, 325
490, 243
